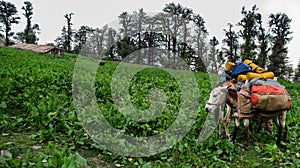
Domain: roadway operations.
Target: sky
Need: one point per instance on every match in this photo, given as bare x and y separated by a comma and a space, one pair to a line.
49, 14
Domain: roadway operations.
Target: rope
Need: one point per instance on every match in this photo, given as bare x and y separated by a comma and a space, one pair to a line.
244, 104
268, 94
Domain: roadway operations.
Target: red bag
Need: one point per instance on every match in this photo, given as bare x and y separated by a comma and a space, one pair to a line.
270, 98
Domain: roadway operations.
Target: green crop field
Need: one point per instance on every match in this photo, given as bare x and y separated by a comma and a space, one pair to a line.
40, 126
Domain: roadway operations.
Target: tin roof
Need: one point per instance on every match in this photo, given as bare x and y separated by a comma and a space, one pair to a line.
34, 47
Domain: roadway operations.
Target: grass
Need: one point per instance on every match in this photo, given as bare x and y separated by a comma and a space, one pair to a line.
40, 127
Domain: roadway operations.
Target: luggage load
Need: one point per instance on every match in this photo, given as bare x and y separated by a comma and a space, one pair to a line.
240, 68
242, 78
244, 72
259, 81
270, 98
266, 75
254, 67
229, 66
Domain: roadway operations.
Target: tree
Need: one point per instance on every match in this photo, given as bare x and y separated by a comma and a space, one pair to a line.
297, 73
289, 72
139, 19
69, 32
66, 38
215, 56
111, 38
98, 40
231, 44
125, 21
201, 34
61, 40
80, 38
248, 32
280, 35
138, 27
166, 30
173, 12
263, 40
187, 16
157, 34
157, 31
187, 52
29, 33
8, 16
179, 18
125, 47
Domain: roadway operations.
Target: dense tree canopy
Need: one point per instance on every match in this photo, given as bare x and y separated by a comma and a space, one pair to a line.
29, 35
176, 29
279, 37
297, 73
66, 38
248, 32
8, 16
231, 44
263, 46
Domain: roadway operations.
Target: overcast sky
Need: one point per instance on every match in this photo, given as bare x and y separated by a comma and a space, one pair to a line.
49, 14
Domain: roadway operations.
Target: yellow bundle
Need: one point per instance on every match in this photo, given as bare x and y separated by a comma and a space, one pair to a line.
229, 66
266, 75
242, 78
254, 67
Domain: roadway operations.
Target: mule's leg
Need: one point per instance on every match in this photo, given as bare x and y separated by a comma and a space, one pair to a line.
236, 129
279, 126
270, 125
283, 146
227, 120
285, 130
282, 119
221, 114
246, 129
266, 124
260, 123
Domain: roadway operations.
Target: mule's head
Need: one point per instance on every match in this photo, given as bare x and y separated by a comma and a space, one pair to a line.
217, 98
231, 84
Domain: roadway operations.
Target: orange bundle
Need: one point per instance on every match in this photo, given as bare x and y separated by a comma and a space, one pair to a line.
242, 78
229, 66
254, 67
266, 75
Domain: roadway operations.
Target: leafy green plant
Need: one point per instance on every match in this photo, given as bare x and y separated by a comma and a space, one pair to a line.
36, 98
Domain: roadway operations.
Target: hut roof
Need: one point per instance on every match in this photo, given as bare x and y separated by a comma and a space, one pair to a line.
34, 47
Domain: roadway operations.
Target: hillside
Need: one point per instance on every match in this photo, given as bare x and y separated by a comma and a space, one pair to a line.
40, 126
